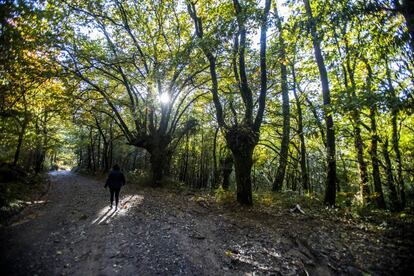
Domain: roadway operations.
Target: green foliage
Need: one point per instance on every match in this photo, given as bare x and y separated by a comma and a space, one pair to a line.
345, 199
223, 196
287, 200
33, 106
18, 189
80, 84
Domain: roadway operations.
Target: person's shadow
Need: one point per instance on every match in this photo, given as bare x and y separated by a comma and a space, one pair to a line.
105, 216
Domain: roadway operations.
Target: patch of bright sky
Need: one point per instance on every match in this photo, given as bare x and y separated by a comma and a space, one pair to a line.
283, 11
91, 31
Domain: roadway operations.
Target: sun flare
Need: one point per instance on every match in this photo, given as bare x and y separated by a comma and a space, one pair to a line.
164, 98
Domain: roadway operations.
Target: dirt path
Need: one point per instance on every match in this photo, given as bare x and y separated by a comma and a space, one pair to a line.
73, 232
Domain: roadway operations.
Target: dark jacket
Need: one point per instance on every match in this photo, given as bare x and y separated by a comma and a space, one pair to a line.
116, 180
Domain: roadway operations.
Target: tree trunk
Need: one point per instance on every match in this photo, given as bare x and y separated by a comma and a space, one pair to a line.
184, 165
359, 145
227, 168
92, 150
395, 205
215, 169
111, 146
380, 202
284, 147
80, 160
105, 156
39, 159
303, 167
243, 162
157, 146
395, 136
202, 163
406, 7
98, 153
157, 159
379, 199
396, 148
356, 117
89, 166
22, 132
20, 140
242, 140
330, 193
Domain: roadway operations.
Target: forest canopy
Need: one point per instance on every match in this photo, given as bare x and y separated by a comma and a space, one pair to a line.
309, 96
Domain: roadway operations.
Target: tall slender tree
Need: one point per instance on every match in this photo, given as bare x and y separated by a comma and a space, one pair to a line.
303, 165
373, 110
349, 63
395, 106
330, 193
284, 147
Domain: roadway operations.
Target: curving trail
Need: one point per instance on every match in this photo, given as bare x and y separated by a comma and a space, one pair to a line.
156, 232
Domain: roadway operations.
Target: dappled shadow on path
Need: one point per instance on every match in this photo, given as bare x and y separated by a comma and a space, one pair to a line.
107, 214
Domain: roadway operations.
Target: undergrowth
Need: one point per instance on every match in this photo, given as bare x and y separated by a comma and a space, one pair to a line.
347, 206
18, 189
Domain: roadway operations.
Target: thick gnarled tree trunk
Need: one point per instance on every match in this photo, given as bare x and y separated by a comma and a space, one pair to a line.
242, 142
243, 163
159, 162
160, 154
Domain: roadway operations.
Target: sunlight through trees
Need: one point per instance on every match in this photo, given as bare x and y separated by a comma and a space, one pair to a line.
309, 96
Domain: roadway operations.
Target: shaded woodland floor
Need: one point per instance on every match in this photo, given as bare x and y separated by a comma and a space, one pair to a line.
156, 231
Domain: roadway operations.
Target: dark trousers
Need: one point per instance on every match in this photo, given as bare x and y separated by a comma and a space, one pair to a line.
116, 193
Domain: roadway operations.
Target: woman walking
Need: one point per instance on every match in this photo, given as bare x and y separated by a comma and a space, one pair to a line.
115, 181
